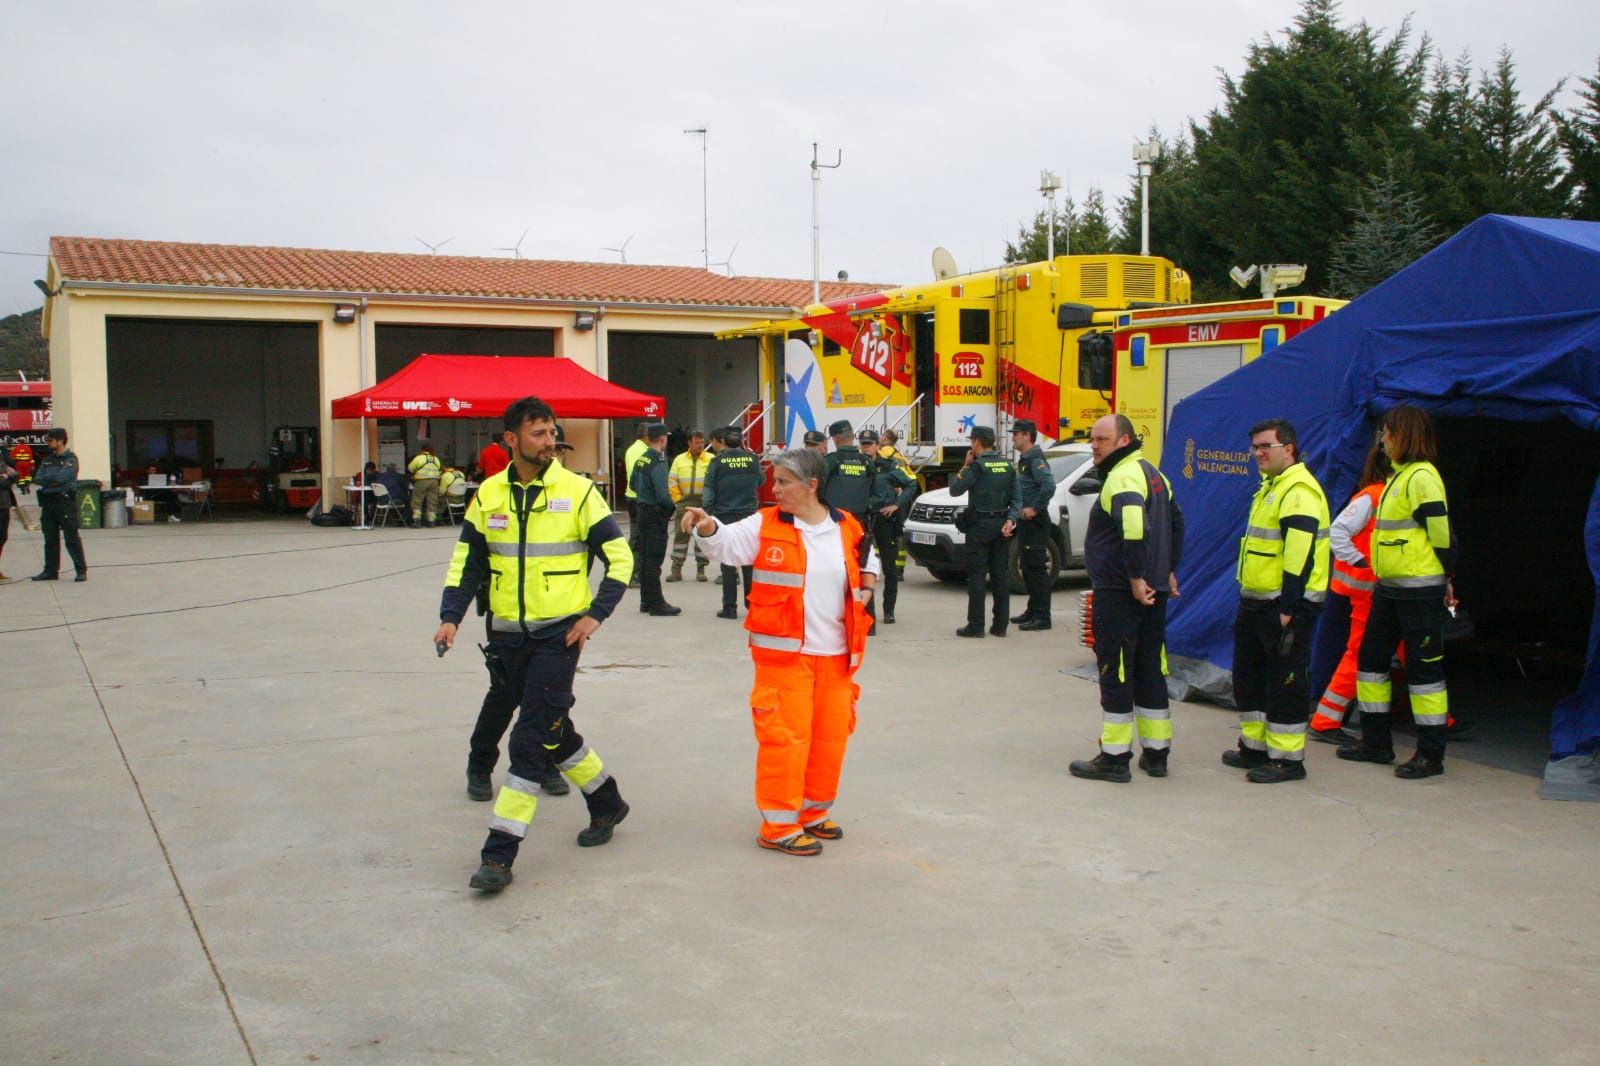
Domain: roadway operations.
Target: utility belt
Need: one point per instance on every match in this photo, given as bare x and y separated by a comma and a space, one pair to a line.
991, 514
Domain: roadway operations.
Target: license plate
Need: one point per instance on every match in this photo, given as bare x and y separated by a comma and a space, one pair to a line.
923, 538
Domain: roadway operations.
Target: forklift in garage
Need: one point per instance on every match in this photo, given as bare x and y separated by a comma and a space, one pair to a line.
294, 462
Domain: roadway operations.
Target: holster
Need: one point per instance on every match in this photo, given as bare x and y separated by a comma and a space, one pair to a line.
499, 676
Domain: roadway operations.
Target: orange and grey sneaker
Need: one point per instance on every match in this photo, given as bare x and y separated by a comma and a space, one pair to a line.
799, 844
827, 829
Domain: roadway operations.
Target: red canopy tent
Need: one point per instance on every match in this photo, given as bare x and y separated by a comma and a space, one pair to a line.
482, 386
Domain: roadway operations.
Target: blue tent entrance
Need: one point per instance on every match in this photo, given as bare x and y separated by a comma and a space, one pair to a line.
1501, 322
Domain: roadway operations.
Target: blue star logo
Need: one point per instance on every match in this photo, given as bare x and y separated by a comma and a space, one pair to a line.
968, 423
794, 398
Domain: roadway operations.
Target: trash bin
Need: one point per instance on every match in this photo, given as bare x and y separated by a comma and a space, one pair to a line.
113, 510
88, 492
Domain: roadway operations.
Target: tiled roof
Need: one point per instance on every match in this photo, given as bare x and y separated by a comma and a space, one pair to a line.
321, 270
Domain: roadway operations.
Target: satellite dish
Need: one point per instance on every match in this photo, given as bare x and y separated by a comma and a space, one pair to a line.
944, 264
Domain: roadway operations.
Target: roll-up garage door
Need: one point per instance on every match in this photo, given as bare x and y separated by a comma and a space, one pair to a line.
1191, 369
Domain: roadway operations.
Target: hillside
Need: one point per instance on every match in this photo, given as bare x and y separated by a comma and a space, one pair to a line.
21, 346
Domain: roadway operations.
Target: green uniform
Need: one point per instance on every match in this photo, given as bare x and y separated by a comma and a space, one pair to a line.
891, 485
850, 483
994, 496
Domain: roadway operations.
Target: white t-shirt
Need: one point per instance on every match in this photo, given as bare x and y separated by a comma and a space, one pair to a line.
737, 545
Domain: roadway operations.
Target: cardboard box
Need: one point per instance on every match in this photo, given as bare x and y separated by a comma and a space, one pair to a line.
143, 512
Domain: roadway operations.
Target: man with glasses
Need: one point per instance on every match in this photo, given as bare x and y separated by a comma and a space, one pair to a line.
1283, 579
530, 533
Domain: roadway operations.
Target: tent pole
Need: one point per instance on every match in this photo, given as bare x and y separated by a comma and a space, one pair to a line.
361, 376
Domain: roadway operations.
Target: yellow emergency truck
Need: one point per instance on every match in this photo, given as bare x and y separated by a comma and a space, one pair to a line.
1029, 340
1164, 354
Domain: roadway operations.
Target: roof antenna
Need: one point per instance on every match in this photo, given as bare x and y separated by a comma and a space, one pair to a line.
516, 249
434, 247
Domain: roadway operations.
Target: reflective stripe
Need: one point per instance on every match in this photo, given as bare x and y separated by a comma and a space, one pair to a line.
514, 806
818, 805
1263, 533
1398, 523
1359, 584
766, 640
1117, 719
781, 817
1371, 678
1333, 699
561, 547
1369, 707
1426, 581
1252, 594
1427, 690
511, 625
1314, 595
778, 577
585, 770
1154, 714
1430, 719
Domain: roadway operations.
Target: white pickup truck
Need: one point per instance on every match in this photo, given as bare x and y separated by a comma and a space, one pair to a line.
933, 540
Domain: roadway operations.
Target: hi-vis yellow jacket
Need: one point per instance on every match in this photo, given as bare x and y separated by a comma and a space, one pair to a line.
1283, 554
424, 466
532, 543
1412, 550
686, 477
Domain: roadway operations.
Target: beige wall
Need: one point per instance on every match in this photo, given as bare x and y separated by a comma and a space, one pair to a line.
76, 324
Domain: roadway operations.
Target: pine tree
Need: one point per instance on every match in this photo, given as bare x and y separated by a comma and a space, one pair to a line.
1391, 230
1513, 155
1579, 134
1085, 232
1281, 163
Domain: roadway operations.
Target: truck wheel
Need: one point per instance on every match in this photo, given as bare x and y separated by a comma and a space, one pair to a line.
1020, 587
949, 577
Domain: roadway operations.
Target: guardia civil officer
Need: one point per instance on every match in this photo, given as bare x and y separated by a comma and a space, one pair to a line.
816, 441
1413, 556
851, 478
994, 505
53, 483
653, 504
732, 494
533, 529
1132, 548
1033, 530
892, 495
1283, 581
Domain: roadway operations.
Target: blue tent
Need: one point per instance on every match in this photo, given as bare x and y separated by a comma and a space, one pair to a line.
1502, 321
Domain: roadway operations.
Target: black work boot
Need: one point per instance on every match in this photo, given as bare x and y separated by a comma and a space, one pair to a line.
479, 786
1153, 762
1418, 767
552, 782
600, 826
728, 612
1362, 753
1276, 771
1102, 767
970, 631
1243, 758
491, 877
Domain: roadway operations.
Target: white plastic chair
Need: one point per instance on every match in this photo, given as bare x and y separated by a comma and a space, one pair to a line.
455, 500
384, 504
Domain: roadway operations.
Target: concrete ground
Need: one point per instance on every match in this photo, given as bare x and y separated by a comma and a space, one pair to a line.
234, 827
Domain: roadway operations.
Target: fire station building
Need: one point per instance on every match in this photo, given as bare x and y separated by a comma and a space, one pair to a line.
207, 352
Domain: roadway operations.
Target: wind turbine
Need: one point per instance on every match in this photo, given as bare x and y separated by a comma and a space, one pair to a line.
728, 262
622, 251
516, 249
432, 247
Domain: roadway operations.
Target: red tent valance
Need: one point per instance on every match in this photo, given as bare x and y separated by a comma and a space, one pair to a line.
482, 386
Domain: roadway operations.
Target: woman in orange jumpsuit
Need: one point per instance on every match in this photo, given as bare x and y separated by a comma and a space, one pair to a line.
1352, 581
813, 576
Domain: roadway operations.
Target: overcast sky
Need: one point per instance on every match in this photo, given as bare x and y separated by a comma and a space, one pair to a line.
369, 125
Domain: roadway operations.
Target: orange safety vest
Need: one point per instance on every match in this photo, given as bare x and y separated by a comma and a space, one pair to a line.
776, 619
1349, 579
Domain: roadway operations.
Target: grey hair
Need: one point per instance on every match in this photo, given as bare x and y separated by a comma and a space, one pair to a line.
804, 464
